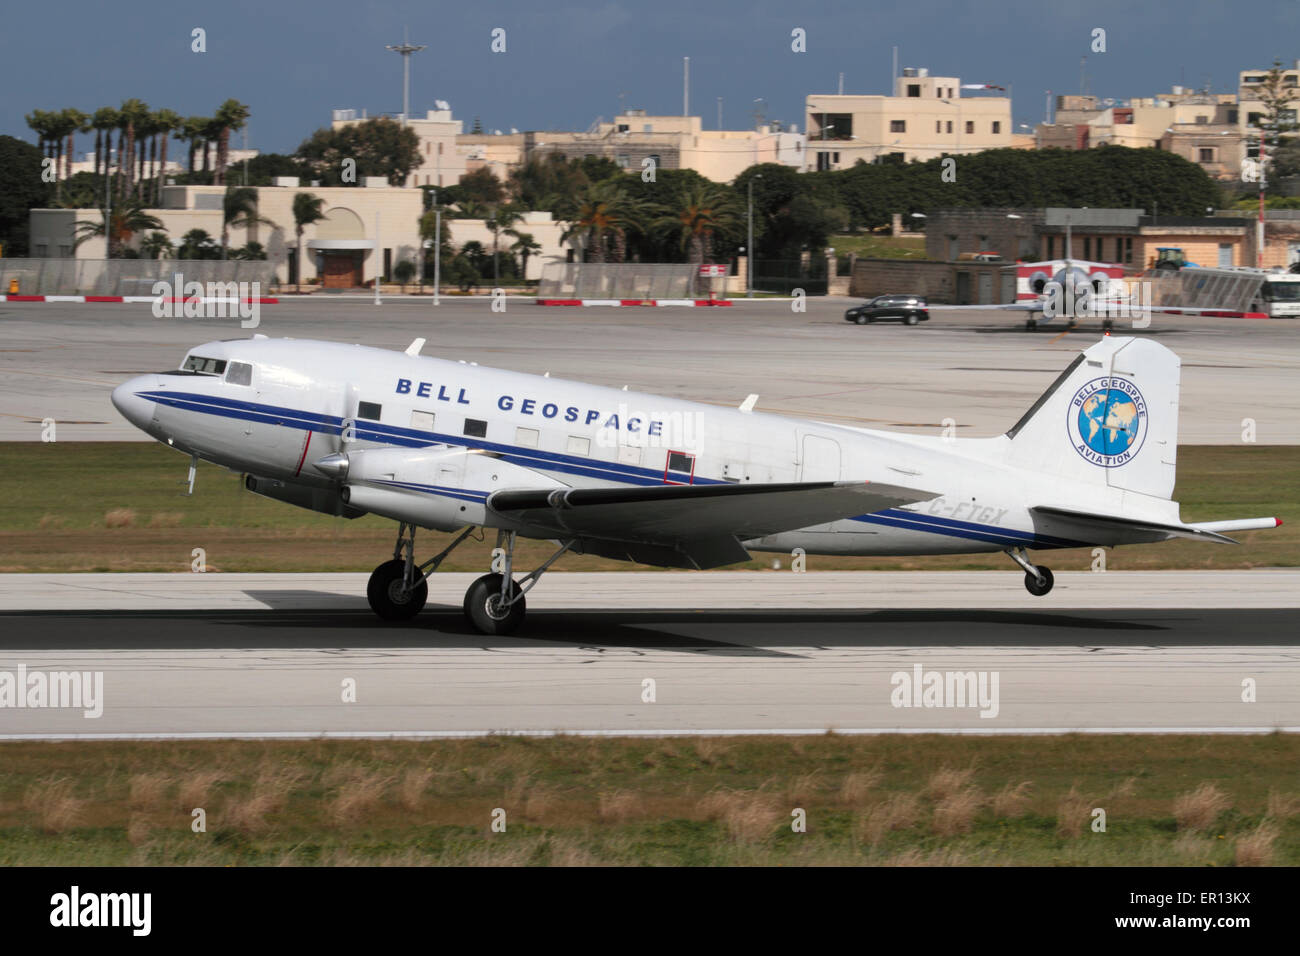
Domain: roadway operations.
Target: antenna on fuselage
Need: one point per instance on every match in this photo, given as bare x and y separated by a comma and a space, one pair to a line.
748, 404
414, 348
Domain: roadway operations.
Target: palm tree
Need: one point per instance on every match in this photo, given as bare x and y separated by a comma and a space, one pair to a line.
156, 245
606, 212
500, 217
126, 220
192, 132
166, 122
103, 122
231, 115
58, 126
134, 113
523, 246
700, 211
75, 122
42, 124
306, 210
197, 244
144, 136
239, 208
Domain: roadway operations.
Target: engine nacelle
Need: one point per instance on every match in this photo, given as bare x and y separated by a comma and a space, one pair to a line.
325, 500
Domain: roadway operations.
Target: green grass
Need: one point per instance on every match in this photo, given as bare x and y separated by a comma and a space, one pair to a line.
868, 246
55, 516
671, 801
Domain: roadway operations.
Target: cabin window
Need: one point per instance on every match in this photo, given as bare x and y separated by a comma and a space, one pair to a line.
209, 366
422, 421
680, 469
475, 428
579, 446
370, 410
526, 437
239, 373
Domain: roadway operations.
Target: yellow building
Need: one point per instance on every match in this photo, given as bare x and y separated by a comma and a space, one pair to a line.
926, 117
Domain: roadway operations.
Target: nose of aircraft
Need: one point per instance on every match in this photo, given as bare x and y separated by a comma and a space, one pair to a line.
136, 410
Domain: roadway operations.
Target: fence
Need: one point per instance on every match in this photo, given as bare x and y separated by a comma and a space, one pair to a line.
786, 275
1207, 289
125, 276
620, 280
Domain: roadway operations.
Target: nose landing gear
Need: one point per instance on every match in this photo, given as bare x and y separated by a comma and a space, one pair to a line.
1038, 578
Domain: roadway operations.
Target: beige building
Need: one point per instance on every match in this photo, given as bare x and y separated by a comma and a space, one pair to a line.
442, 160
673, 142
366, 229
926, 117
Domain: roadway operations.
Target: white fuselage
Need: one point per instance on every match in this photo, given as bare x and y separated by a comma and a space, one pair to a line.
308, 399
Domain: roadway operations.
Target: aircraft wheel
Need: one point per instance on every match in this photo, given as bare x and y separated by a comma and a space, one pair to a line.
481, 608
388, 598
1031, 325
1107, 324
1032, 585
1072, 323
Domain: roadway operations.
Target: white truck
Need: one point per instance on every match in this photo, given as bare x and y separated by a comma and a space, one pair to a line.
1279, 295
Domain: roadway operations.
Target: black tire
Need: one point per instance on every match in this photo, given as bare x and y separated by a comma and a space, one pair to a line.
1031, 325
910, 319
1032, 585
386, 596
1107, 325
488, 589
861, 320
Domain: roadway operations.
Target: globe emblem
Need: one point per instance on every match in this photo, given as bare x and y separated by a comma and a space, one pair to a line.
1108, 422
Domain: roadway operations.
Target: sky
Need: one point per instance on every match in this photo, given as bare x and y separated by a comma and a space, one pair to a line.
566, 62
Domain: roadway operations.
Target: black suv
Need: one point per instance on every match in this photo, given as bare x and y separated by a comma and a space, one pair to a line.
908, 309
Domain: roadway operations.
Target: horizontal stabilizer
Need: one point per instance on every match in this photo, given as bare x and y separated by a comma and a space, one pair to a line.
1118, 523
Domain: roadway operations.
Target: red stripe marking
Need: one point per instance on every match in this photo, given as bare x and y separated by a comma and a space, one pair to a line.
305, 446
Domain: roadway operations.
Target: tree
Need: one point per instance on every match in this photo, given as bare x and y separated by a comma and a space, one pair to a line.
500, 217
165, 123
133, 113
605, 215
463, 273
127, 219
306, 210
156, 245
693, 217
265, 168
379, 147
231, 115
21, 190
197, 244
480, 185
1279, 118
442, 244
403, 272
239, 209
103, 122
192, 130
523, 246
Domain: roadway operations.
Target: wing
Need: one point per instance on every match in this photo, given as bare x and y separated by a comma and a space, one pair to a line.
690, 525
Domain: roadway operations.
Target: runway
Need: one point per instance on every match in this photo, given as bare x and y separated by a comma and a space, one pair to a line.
753, 652
979, 369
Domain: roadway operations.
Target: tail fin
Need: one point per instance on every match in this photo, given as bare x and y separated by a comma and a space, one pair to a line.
1110, 418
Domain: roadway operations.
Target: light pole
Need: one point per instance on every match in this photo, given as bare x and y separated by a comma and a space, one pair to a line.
437, 242
108, 205
405, 49
749, 246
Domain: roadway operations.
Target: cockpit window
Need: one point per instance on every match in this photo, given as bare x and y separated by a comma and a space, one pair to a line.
208, 366
239, 373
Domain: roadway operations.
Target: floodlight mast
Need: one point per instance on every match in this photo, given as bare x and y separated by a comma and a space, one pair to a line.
406, 49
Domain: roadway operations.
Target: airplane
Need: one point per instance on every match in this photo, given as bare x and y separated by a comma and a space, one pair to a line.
437, 444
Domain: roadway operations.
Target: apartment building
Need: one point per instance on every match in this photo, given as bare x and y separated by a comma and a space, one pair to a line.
927, 116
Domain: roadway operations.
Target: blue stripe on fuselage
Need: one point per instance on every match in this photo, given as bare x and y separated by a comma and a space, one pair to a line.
366, 430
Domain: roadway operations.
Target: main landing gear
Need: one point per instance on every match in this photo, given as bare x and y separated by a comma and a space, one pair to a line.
1038, 578
494, 603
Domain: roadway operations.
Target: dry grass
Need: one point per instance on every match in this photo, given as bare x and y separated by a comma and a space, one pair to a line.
148, 791
56, 806
1282, 806
946, 782
1255, 848
166, 519
803, 789
119, 518
955, 813
51, 521
857, 785
1073, 813
620, 806
1011, 802
197, 789
918, 857
898, 812
359, 796
1199, 808
1193, 848
748, 817
138, 830
269, 794
413, 787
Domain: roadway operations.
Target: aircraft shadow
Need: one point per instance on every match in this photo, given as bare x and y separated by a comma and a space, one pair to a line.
740, 632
